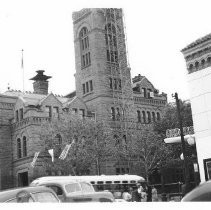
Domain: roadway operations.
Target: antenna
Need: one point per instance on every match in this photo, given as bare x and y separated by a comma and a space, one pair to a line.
22, 67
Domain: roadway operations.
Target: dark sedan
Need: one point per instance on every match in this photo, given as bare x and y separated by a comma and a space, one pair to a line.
39, 194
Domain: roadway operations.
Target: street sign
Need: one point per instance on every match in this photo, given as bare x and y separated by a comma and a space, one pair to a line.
176, 132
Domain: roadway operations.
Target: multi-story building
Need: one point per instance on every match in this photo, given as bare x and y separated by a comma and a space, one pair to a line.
198, 61
104, 90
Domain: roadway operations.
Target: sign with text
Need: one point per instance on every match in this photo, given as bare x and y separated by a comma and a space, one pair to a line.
176, 132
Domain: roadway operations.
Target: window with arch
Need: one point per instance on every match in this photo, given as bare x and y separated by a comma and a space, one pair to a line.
190, 67
24, 147
111, 43
196, 64
202, 62
153, 117
158, 116
209, 59
19, 151
84, 45
112, 113
139, 116
149, 117
144, 116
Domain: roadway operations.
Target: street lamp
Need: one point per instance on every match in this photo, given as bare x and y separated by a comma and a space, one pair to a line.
186, 168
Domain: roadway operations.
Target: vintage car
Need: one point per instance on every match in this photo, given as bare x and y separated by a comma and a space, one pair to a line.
200, 193
70, 190
29, 194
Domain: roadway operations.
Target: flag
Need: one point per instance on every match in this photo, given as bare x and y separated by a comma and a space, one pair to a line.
51, 153
22, 60
35, 158
65, 150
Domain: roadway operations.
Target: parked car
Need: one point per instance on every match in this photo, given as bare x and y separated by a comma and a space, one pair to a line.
29, 194
200, 193
70, 190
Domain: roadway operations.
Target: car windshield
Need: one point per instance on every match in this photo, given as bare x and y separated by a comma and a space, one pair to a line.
73, 187
86, 187
45, 197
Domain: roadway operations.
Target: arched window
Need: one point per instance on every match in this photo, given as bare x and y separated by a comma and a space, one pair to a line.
149, 117
158, 116
111, 43
19, 152
190, 67
153, 117
112, 113
24, 147
209, 59
139, 116
110, 83
202, 62
84, 44
196, 64
144, 116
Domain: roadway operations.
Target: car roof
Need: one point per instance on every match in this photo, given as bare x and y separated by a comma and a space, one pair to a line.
197, 193
55, 181
91, 178
11, 193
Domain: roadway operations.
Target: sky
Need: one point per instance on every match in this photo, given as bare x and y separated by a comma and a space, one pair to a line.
156, 32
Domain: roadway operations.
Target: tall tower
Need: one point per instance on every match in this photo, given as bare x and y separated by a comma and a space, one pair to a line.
103, 79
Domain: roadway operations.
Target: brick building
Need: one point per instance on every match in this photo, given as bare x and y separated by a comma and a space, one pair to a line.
104, 90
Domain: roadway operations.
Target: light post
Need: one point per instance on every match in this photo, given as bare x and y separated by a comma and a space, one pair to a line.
186, 168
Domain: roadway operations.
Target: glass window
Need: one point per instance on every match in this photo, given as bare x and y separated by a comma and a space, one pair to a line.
45, 197
21, 113
149, 117
56, 111
16, 114
144, 116
158, 116
74, 187
84, 42
91, 85
87, 87
86, 187
19, 148
139, 116
84, 89
24, 147
48, 110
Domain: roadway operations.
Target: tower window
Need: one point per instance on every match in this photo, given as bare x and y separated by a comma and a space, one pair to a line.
90, 85
19, 148
84, 43
24, 147
21, 113
111, 43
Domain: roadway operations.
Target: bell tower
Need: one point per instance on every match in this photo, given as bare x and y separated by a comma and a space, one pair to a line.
103, 79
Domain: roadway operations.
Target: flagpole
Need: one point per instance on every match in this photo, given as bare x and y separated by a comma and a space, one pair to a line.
22, 67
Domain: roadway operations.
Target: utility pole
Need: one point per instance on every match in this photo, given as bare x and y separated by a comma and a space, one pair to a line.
186, 168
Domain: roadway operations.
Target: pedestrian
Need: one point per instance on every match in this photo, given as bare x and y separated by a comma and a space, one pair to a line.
136, 194
149, 193
154, 194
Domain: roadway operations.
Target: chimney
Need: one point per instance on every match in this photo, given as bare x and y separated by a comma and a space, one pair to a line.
40, 83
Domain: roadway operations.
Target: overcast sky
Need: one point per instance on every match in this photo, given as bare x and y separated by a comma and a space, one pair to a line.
156, 32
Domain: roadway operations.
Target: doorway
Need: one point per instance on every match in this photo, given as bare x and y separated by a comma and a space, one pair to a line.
23, 179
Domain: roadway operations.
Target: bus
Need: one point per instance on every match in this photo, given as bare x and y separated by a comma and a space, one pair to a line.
113, 183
